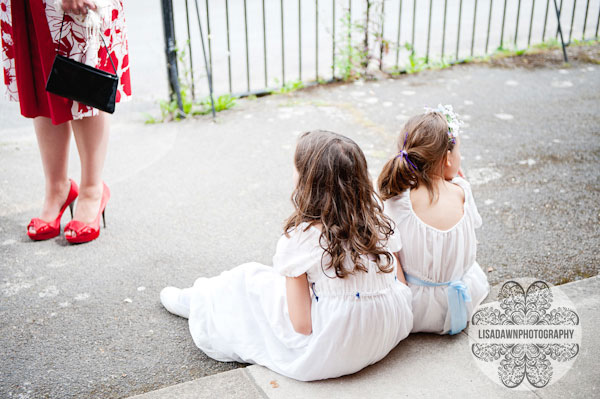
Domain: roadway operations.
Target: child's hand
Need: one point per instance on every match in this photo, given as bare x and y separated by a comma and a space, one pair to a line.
400, 271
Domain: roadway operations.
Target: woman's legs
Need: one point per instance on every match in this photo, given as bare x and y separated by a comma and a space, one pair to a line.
91, 136
53, 142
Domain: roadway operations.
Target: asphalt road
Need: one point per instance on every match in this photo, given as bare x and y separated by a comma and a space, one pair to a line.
195, 198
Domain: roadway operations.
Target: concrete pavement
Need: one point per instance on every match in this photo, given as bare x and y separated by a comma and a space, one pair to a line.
194, 198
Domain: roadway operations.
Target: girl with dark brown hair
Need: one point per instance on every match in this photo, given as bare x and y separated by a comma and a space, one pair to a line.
332, 304
435, 218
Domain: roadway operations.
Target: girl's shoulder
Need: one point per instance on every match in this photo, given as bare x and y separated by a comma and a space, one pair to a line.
464, 188
469, 200
459, 190
462, 183
303, 232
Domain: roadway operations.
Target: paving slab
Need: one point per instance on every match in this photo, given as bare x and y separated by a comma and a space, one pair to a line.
228, 385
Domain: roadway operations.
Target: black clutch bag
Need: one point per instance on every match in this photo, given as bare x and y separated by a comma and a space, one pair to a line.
83, 83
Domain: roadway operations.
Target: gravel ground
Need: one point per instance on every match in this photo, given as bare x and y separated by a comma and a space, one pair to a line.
194, 198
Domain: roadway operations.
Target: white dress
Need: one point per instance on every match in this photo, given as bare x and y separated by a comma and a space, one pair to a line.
242, 315
438, 256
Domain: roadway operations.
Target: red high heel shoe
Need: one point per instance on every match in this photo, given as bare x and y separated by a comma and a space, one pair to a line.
46, 230
80, 232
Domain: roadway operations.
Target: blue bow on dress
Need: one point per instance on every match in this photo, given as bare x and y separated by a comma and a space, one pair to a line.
458, 295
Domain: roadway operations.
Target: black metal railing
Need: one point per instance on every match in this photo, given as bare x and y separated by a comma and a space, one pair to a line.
258, 46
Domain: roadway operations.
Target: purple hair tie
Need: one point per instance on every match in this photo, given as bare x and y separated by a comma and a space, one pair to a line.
404, 154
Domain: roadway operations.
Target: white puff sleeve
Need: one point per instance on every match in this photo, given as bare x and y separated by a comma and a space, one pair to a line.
297, 253
394, 243
470, 206
398, 209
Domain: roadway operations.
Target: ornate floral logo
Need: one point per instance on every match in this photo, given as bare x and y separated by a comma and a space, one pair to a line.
529, 338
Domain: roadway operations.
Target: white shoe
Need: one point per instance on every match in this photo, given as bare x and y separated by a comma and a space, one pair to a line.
176, 301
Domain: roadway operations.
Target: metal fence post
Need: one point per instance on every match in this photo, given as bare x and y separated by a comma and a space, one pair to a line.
444, 29
208, 70
545, 21
171, 53
299, 40
208, 36
573, 20
559, 13
517, 23
228, 45
530, 24
559, 29
587, 7
597, 23
247, 51
333, 42
282, 48
265, 42
502, 30
398, 32
187, 18
381, 37
474, 24
428, 32
459, 21
412, 40
487, 39
317, 40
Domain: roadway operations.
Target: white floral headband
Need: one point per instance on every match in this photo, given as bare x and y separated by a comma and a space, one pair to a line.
451, 117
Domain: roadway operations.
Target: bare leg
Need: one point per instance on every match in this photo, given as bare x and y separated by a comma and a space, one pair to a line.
91, 136
53, 142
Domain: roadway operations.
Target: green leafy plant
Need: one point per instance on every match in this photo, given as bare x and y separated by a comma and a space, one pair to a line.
415, 64
509, 51
222, 103
290, 86
548, 44
361, 43
441, 64
349, 58
169, 109
381, 43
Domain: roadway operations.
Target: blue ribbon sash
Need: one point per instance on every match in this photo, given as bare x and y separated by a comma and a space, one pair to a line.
458, 295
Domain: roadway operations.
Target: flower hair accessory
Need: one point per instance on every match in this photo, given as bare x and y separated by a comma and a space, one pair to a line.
451, 117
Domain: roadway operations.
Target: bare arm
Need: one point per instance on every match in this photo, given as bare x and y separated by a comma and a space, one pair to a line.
299, 302
399, 271
78, 6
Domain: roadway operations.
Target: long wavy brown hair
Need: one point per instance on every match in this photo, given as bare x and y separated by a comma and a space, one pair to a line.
334, 190
425, 139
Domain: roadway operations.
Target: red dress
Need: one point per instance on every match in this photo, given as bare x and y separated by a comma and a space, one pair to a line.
30, 32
